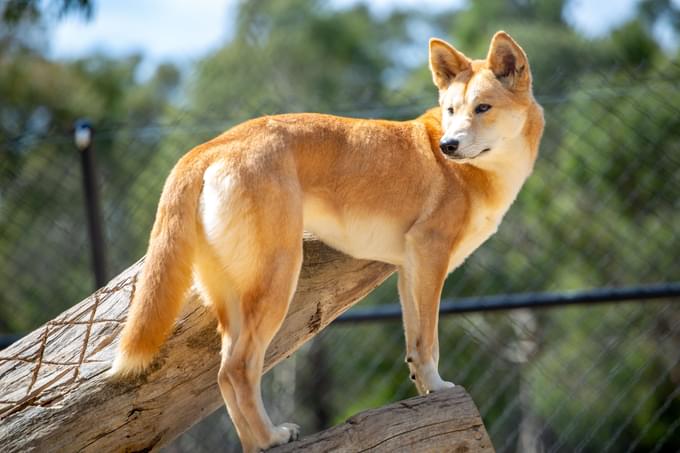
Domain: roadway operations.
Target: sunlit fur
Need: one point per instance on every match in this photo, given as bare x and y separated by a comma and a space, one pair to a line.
233, 210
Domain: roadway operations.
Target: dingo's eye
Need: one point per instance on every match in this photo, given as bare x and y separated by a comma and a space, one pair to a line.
481, 108
450, 110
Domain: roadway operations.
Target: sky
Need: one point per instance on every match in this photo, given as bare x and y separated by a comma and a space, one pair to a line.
182, 30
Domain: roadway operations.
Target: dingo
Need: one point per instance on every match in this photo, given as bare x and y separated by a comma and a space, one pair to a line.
420, 194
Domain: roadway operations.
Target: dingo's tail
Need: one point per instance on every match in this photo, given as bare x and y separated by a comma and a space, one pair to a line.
167, 271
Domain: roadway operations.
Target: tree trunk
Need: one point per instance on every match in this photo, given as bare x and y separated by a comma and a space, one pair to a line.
54, 395
442, 421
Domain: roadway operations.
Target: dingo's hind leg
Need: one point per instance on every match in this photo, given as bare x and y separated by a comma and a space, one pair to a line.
254, 229
262, 310
219, 292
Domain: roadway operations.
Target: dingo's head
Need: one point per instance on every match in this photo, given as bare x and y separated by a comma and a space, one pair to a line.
484, 103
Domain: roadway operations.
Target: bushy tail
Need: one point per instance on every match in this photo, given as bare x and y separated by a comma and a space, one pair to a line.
167, 271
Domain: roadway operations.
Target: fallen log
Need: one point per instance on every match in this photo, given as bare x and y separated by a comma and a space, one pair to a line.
442, 421
54, 395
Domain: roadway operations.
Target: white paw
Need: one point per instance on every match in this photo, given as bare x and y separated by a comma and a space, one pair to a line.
431, 380
441, 385
285, 432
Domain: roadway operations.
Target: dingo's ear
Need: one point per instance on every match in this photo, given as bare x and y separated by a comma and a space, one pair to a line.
509, 62
446, 63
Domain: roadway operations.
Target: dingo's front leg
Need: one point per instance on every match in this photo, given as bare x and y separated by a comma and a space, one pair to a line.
420, 285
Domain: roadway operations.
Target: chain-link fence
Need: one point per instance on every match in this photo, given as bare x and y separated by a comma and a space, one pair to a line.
536, 391
600, 210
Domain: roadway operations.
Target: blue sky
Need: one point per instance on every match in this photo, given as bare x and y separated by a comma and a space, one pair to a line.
182, 30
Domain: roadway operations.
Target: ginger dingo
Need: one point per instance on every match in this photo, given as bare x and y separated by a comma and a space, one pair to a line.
420, 194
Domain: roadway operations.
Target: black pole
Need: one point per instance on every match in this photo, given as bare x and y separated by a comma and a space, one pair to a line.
83, 140
523, 300
320, 383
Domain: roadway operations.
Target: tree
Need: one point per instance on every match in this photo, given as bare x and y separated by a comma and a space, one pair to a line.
15, 11
40, 193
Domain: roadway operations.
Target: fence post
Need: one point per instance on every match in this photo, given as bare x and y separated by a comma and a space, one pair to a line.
82, 134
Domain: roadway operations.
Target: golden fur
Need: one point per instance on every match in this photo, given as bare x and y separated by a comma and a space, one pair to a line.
233, 211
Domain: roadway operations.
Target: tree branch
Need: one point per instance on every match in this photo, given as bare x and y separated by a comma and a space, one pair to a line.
442, 421
54, 394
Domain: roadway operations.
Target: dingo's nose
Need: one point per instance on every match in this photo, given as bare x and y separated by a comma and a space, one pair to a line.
449, 146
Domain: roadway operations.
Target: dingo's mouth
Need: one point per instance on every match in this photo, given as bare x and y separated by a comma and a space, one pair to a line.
456, 157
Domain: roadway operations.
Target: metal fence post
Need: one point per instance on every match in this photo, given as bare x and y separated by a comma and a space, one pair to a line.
83, 141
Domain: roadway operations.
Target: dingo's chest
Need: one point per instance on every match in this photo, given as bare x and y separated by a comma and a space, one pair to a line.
482, 225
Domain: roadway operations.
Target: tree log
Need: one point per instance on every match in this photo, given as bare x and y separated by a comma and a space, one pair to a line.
442, 421
54, 395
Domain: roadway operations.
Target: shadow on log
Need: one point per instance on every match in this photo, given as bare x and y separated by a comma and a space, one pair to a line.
53, 391
446, 421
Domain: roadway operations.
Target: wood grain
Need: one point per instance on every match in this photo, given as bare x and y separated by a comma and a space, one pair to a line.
446, 421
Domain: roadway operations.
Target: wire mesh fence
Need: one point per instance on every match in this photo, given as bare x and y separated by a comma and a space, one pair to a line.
610, 205
590, 379
601, 209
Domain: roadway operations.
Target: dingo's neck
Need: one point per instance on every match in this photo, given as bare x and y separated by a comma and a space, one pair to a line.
506, 169
492, 183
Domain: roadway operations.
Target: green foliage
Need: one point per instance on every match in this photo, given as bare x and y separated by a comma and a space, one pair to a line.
295, 56
480, 19
40, 186
15, 11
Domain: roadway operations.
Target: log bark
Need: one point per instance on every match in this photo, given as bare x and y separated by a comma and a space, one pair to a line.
54, 395
442, 421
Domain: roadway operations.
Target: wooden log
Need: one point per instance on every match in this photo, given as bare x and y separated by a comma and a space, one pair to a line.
442, 421
54, 395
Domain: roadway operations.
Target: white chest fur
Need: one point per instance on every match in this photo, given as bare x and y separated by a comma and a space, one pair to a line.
482, 225
510, 170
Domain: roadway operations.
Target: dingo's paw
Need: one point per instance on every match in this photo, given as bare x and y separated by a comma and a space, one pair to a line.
441, 385
286, 432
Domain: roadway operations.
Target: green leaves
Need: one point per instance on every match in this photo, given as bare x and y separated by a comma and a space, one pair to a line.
15, 11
